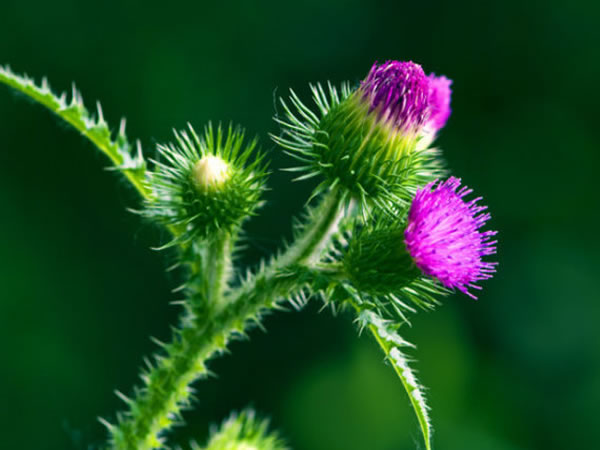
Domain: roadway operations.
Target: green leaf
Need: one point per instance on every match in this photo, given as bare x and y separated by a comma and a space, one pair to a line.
119, 150
392, 345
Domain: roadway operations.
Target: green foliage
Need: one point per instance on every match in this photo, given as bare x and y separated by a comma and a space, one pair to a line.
157, 405
392, 344
378, 165
118, 149
207, 328
377, 261
381, 271
204, 187
197, 211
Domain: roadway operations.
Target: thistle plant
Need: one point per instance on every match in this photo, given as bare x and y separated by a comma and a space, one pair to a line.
384, 234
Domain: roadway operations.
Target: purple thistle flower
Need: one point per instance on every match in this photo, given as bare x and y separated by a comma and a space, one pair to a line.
398, 92
443, 237
439, 101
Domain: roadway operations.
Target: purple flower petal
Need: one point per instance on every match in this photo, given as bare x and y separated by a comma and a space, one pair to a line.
398, 92
443, 236
439, 101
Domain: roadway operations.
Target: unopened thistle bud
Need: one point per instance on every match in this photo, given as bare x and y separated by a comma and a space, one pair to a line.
204, 184
210, 173
369, 140
440, 240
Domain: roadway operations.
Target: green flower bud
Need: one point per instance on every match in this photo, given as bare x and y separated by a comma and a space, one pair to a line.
378, 265
373, 141
377, 262
205, 184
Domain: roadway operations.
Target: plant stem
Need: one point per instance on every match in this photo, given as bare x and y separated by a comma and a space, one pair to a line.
76, 115
322, 224
156, 407
214, 268
390, 346
167, 385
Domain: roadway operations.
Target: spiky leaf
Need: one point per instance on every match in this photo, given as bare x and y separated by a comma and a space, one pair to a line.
94, 128
393, 345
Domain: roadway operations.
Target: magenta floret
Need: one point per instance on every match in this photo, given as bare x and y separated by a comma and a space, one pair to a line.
439, 101
443, 235
398, 92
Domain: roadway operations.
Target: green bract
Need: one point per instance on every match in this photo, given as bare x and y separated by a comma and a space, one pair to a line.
377, 261
205, 184
377, 164
375, 269
244, 431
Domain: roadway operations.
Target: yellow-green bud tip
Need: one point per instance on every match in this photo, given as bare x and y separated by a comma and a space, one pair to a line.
210, 172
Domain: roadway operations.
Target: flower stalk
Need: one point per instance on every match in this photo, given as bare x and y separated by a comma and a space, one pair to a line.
206, 333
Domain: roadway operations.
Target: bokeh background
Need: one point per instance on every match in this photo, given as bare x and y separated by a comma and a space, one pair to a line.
81, 291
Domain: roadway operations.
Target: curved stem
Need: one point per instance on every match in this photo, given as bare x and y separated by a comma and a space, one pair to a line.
322, 223
96, 130
390, 342
159, 403
167, 385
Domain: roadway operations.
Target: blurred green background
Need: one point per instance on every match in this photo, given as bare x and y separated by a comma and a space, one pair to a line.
80, 290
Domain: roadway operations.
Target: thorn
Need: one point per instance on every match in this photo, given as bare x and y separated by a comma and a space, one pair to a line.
148, 363
158, 342
173, 267
179, 288
258, 324
74, 95
138, 145
122, 396
122, 126
100, 115
106, 423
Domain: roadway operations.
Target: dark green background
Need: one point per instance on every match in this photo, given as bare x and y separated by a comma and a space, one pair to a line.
80, 290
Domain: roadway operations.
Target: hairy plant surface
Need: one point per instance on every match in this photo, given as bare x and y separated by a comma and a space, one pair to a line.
383, 234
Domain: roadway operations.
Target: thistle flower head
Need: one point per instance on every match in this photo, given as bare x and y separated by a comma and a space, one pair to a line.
439, 101
443, 235
372, 141
399, 93
206, 183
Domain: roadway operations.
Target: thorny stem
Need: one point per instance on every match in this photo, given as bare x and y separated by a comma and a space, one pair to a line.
166, 390
387, 347
217, 266
99, 139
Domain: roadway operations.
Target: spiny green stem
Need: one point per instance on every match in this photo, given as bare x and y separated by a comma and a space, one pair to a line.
95, 130
167, 385
423, 420
213, 269
322, 224
220, 253
390, 342
159, 403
